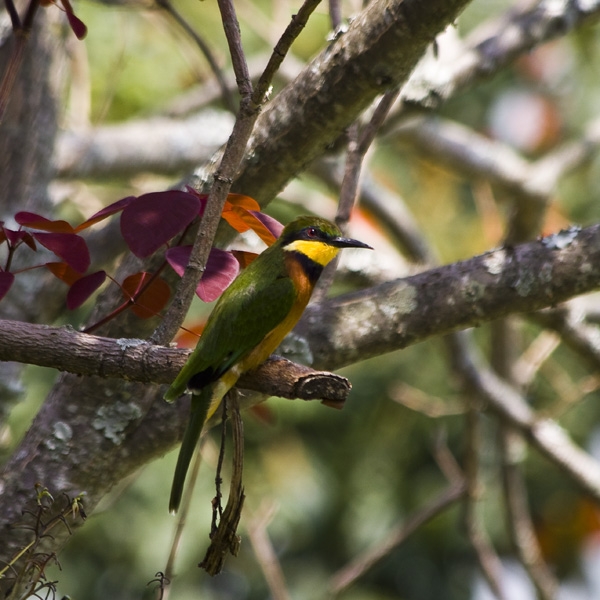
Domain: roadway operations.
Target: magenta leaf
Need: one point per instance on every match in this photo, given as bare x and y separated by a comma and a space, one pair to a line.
79, 29
178, 257
221, 269
202, 197
83, 288
14, 237
68, 246
151, 220
6, 280
77, 25
107, 211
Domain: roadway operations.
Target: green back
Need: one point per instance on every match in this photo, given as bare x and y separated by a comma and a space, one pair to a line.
255, 303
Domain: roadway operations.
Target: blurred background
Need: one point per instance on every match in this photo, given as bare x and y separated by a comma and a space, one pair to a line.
324, 486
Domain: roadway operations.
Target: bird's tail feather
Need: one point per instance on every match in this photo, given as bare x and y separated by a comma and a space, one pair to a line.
200, 405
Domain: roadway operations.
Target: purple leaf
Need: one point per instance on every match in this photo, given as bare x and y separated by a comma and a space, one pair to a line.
151, 220
221, 269
77, 25
107, 211
6, 280
68, 246
14, 237
83, 288
203, 198
178, 257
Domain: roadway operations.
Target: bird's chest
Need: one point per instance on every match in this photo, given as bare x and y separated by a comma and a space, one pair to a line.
303, 287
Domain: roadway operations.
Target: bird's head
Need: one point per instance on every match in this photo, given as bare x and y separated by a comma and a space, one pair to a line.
316, 238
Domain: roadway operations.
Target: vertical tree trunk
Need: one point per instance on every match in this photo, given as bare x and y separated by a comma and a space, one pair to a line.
27, 136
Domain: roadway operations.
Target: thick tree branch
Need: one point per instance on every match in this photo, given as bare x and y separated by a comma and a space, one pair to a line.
157, 145
378, 52
64, 349
465, 294
360, 325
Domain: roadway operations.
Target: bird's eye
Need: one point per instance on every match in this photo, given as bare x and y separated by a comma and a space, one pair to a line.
311, 232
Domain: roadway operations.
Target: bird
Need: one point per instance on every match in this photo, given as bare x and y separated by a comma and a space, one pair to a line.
249, 321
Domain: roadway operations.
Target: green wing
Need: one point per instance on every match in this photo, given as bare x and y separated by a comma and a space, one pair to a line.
254, 304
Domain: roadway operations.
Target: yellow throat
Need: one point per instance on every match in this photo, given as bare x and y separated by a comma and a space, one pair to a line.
318, 252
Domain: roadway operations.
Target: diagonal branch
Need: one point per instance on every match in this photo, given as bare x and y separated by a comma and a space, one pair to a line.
378, 52
250, 104
509, 280
223, 177
346, 576
493, 46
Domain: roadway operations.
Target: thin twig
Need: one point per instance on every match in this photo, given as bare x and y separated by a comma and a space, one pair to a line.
544, 434
224, 540
519, 519
534, 356
181, 522
223, 177
445, 460
387, 207
359, 142
569, 322
231, 26
347, 198
250, 104
490, 564
357, 568
21, 31
505, 344
335, 14
217, 505
281, 49
226, 93
346, 576
265, 553
371, 129
14, 15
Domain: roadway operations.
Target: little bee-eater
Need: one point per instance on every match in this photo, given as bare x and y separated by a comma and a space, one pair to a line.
249, 321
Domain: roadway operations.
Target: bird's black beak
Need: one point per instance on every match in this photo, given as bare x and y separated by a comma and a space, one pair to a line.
342, 242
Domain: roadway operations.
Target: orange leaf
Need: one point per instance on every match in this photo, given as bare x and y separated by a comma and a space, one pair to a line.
64, 272
243, 257
189, 336
243, 201
242, 220
152, 299
231, 210
234, 219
